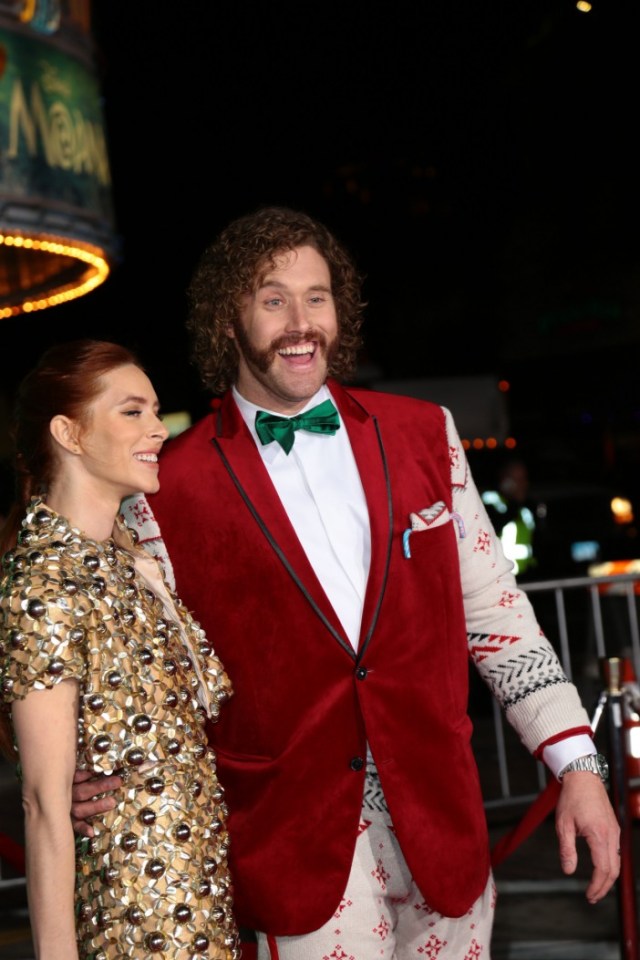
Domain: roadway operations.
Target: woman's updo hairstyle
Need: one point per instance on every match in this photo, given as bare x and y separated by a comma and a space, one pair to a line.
65, 381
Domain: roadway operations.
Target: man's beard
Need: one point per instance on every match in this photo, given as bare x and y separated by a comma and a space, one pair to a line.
262, 359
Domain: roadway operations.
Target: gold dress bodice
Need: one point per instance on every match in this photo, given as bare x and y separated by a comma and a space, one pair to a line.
154, 882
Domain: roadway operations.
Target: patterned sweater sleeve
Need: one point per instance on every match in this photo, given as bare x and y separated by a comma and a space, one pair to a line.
506, 643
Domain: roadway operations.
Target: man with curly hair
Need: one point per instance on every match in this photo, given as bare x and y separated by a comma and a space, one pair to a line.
333, 545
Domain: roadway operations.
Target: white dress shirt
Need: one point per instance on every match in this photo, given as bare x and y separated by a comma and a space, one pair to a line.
320, 488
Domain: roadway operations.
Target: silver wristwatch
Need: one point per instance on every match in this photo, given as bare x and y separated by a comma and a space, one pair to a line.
592, 763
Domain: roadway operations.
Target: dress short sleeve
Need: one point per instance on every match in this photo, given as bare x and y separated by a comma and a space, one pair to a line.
44, 621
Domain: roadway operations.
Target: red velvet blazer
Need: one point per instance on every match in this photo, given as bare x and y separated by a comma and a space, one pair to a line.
292, 741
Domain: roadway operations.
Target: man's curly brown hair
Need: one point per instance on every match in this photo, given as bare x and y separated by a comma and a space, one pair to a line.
234, 265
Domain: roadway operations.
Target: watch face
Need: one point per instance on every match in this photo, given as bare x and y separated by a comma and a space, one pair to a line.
603, 766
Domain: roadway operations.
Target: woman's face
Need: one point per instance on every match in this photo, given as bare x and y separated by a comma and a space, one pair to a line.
122, 435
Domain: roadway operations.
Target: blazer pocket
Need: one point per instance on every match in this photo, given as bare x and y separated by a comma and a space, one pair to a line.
427, 519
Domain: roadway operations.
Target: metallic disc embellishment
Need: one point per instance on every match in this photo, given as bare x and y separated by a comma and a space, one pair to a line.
110, 873
55, 667
155, 868
17, 639
99, 586
147, 816
84, 909
170, 666
135, 757
141, 723
135, 915
155, 942
182, 913
182, 832
36, 609
42, 518
101, 743
96, 703
103, 919
91, 562
154, 785
129, 842
200, 942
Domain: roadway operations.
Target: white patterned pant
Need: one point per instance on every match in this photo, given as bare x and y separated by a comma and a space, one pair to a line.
382, 915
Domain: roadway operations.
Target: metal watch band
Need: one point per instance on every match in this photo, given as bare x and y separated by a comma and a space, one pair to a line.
591, 763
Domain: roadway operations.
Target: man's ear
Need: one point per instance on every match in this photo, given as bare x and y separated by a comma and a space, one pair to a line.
65, 432
228, 329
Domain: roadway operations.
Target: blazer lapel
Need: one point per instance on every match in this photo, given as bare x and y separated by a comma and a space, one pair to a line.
366, 443
237, 449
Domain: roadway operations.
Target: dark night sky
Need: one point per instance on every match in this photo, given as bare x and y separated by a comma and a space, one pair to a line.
478, 159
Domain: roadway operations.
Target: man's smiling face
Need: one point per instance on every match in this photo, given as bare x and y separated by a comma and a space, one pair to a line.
286, 332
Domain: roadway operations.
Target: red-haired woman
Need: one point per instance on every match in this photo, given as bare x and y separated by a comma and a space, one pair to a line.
103, 668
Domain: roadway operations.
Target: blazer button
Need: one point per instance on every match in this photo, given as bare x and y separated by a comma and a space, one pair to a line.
361, 673
357, 763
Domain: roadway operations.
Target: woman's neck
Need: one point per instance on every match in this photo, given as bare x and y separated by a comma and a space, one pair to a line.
94, 515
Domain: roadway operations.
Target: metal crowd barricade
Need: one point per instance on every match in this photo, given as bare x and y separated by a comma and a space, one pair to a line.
570, 646
593, 637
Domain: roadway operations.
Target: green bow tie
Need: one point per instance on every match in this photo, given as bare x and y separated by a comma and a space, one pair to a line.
320, 419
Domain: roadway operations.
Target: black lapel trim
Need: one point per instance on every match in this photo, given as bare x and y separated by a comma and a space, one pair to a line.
256, 516
383, 586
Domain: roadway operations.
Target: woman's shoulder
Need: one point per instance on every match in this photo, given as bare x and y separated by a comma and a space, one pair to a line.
49, 563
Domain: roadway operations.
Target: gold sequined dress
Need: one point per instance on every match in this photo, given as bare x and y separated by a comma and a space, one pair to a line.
154, 883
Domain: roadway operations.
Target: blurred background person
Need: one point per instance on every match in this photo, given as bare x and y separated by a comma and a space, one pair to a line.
512, 515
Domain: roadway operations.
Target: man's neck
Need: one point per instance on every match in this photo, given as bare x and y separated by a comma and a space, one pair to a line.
322, 394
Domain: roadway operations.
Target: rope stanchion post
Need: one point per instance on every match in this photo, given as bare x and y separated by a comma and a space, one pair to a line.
611, 668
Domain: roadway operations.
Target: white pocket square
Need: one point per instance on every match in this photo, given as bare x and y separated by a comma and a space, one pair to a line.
434, 516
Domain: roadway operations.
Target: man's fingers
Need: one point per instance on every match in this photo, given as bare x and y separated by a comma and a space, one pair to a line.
606, 869
82, 827
85, 790
81, 775
91, 797
568, 855
584, 810
91, 808
602, 879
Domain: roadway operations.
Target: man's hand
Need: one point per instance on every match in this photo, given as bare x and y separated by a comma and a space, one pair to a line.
90, 796
584, 810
